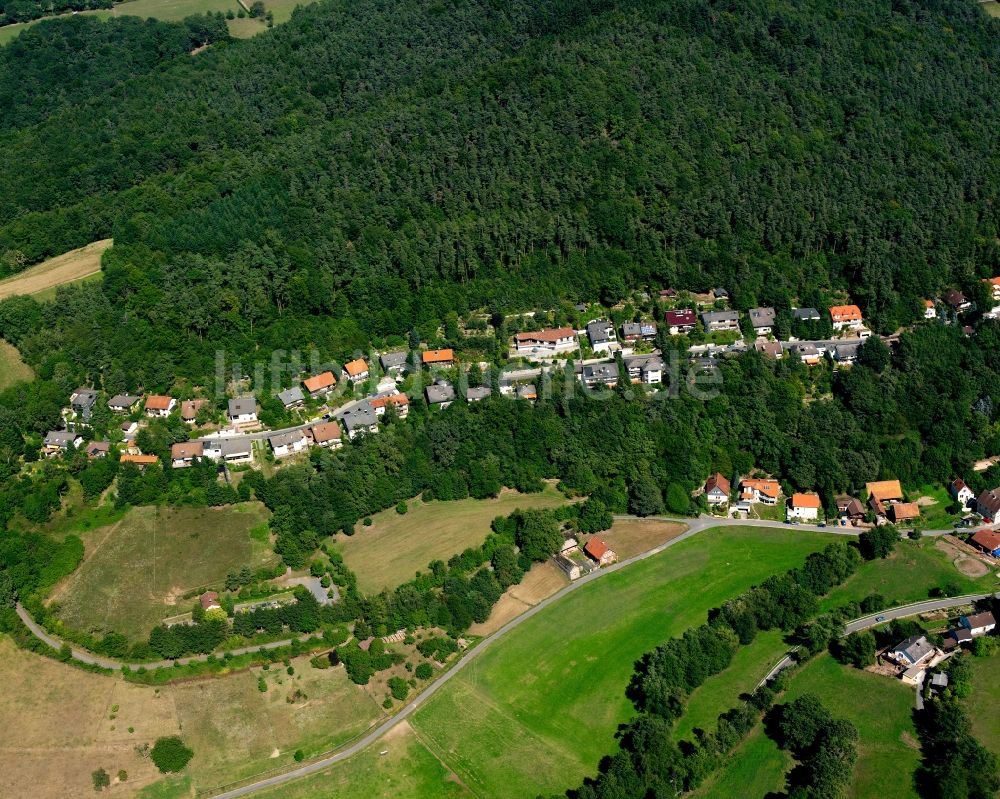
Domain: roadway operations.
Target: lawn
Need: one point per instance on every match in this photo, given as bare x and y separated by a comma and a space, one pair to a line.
12, 368
536, 714
398, 765
135, 571
66, 268
396, 546
984, 704
907, 576
888, 750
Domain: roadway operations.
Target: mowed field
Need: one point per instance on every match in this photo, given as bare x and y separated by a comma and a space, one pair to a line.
58, 724
880, 707
12, 368
983, 705
69, 267
535, 714
397, 546
135, 571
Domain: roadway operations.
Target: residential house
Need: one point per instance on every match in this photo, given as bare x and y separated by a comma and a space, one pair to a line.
900, 512
159, 405
955, 638
292, 397
764, 491
911, 652
184, 453
645, 369
236, 450
288, 443
961, 493
930, 310
850, 508
527, 392
598, 549
669, 294
142, 461
546, 343
717, 490
720, 294
601, 334
639, 331
58, 441
681, 321
129, 429
720, 321
846, 317
769, 349
209, 601
883, 492
124, 403
957, 301
805, 314
320, 385
98, 449
243, 409
360, 419
804, 506
978, 623
438, 357
327, 434
394, 363
993, 285
357, 370
846, 354
808, 353
477, 393
190, 408
762, 320
82, 402
988, 505
441, 394
600, 374
397, 400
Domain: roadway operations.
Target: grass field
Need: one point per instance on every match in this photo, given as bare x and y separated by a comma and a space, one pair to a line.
983, 705
991, 7
397, 546
888, 750
66, 268
135, 571
535, 715
12, 368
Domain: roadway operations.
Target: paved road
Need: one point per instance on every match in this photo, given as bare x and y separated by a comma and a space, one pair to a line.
913, 609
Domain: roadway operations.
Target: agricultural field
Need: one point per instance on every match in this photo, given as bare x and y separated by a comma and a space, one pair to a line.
42, 279
983, 705
536, 714
397, 546
12, 368
136, 571
911, 571
888, 749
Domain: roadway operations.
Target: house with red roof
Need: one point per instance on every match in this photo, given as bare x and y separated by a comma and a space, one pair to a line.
598, 549
988, 541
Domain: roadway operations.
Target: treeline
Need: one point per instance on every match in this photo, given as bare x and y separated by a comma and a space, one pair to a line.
12, 11
653, 764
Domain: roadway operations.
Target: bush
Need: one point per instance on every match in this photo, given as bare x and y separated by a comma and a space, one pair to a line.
170, 754
424, 671
398, 687
401, 508
101, 779
299, 756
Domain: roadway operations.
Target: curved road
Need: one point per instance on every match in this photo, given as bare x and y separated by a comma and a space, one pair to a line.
927, 606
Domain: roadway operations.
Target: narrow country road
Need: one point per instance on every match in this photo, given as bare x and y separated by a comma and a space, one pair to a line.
927, 606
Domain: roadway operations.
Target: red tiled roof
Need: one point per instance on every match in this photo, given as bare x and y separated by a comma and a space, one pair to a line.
596, 548
139, 460
845, 313
805, 501
321, 381
326, 431
356, 367
549, 335
717, 481
438, 356
987, 539
390, 399
158, 402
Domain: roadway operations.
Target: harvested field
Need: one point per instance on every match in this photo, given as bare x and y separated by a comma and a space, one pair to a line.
541, 581
66, 268
628, 537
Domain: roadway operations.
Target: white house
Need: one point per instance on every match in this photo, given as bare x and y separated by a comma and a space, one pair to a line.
601, 334
978, 623
717, 490
930, 310
183, 453
846, 317
357, 370
961, 492
327, 434
159, 405
546, 343
804, 506
243, 409
285, 444
719, 321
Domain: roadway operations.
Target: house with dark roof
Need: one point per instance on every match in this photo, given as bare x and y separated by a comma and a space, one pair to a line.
600, 374
762, 320
846, 354
720, 321
601, 334
957, 301
124, 403
850, 508
243, 409
808, 353
183, 453
477, 393
978, 623
911, 652
440, 394
82, 402
292, 397
988, 505
645, 369
394, 362
288, 443
638, 331
805, 314
769, 349
236, 450
961, 492
98, 449
680, 321
58, 441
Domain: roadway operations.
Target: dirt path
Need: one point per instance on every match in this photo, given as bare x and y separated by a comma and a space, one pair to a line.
64, 268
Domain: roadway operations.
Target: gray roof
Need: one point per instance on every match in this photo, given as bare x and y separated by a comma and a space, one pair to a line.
601, 372
234, 446
285, 439
478, 393
806, 348
720, 292
439, 393
915, 648
939, 680
290, 396
599, 331
719, 316
805, 314
762, 317
393, 360
846, 352
645, 362
84, 397
361, 416
59, 438
240, 405
123, 401
631, 329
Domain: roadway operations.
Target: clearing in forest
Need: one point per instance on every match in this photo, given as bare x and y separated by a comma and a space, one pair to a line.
66, 268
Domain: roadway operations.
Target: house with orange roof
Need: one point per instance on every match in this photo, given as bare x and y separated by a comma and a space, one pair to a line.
804, 506
717, 490
357, 370
438, 357
319, 385
846, 317
142, 461
159, 405
930, 310
397, 400
598, 549
764, 491
993, 284
904, 512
